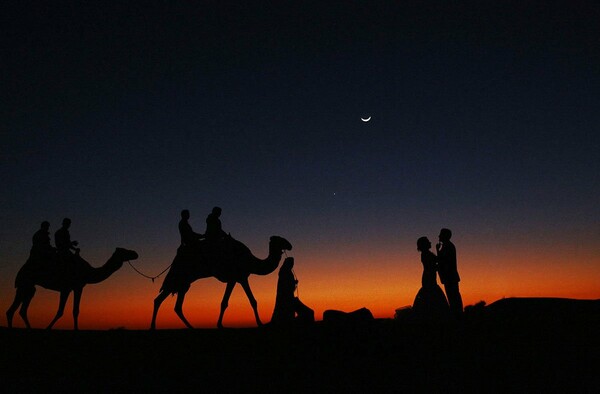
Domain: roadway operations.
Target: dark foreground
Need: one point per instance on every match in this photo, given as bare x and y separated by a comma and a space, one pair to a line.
510, 346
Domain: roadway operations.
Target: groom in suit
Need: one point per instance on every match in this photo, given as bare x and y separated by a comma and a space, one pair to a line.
446, 253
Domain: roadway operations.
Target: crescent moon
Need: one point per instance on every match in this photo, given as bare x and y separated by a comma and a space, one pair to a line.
366, 120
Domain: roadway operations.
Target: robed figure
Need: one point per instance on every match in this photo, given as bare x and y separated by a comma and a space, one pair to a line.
288, 307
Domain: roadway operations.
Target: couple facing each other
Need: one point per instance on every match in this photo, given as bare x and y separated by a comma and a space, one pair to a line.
430, 299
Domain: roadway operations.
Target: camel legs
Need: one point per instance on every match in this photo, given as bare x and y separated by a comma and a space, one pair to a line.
64, 295
157, 302
76, 301
179, 307
13, 308
253, 303
225, 302
23, 297
28, 296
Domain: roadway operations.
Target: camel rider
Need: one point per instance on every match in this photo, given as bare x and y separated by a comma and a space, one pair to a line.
188, 236
41, 242
214, 231
63, 242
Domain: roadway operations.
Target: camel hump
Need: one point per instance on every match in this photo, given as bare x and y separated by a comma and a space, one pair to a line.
212, 248
38, 268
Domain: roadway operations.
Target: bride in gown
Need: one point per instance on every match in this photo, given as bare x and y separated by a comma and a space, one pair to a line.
430, 300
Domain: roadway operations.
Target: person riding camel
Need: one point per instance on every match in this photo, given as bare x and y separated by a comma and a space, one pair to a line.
41, 248
63, 242
216, 240
214, 231
188, 236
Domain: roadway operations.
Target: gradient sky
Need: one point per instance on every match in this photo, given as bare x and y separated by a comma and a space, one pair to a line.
484, 119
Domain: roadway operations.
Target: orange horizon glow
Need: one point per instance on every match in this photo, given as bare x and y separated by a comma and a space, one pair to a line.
344, 281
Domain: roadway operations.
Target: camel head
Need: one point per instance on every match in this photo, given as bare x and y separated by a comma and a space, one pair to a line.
279, 244
124, 254
97, 275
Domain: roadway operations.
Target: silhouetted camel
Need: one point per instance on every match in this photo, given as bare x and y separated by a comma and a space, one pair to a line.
230, 261
63, 277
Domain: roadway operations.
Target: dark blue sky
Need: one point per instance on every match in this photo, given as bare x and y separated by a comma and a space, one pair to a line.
484, 118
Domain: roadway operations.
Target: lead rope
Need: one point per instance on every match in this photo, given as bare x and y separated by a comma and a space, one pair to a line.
146, 276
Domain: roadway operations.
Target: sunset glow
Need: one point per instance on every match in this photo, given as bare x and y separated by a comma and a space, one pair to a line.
343, 283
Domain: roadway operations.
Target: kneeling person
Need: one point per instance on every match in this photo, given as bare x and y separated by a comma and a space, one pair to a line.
287, 305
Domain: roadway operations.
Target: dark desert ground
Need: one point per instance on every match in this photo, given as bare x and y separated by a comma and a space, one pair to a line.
512, 345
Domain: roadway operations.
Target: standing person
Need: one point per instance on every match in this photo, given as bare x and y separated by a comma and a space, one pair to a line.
188, 236
63, 242
214, 231
447, 268
287, 305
